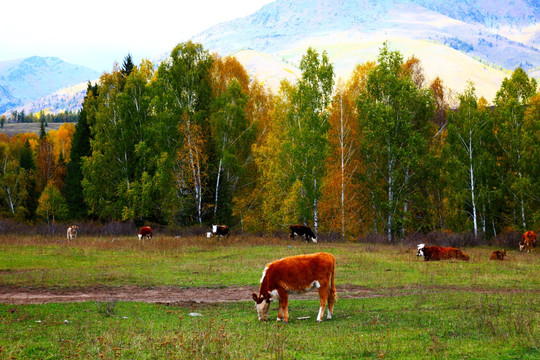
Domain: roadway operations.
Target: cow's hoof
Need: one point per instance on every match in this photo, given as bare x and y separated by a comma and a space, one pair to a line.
319, 321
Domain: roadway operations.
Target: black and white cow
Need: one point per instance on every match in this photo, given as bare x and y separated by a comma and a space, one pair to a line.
221, 230
302, 230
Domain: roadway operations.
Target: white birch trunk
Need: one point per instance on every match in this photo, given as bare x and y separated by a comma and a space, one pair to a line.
217, 188
342, 144
315, 210
471, 171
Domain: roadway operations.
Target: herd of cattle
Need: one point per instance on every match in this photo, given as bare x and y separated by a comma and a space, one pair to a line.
302, 273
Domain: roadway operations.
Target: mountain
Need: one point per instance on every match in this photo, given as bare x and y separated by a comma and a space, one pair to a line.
493, 36
459, 40
25, 80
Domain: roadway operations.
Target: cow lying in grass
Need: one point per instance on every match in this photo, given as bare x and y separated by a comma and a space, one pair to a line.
297, 274
528, 241
498, 255
434, 253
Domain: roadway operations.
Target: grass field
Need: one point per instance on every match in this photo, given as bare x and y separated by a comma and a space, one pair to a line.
479, 309
15, 128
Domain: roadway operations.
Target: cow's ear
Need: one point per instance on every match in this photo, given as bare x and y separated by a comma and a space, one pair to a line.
255, 297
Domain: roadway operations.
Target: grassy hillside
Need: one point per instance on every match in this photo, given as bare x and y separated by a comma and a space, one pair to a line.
15, 128
453, 67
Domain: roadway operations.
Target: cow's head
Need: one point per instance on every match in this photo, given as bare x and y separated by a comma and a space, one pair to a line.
140, 236
262, 304
420, 250
521, 245
214, 228
314, 239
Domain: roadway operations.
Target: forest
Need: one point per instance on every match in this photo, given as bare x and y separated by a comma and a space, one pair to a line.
196, 141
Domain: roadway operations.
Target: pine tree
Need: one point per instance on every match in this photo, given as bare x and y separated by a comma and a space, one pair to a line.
27, 162
80, 147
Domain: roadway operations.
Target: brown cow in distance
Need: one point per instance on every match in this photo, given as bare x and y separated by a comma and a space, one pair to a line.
498, 255
297, 274
528, 242
145, 231
435, 253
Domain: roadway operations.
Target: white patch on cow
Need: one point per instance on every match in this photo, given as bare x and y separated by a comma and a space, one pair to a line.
295, 234
420, 250
315, 284
262, 310
274, 295
329, 315
214, 228
321, 311
140, 236
264, 274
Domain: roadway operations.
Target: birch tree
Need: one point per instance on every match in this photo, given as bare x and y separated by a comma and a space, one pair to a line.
121, 127
184, 95
394, 121
307, 142
466, 129
512, 101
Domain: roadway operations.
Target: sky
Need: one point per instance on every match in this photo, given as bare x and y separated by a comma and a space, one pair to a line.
98, 33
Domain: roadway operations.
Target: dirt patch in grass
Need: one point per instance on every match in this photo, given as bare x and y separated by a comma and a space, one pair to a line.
171, 294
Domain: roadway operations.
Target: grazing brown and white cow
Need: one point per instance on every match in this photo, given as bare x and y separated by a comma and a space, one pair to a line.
72, 232
527, 242
302, 230
498, 255
434, 253
297, 274
145, 231
221, 230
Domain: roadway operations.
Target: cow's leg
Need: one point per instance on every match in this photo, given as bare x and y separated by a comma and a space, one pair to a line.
323, 298
331, 302
283, 313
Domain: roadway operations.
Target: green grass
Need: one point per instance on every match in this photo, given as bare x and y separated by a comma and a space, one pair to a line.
479, 309
434, 325
201, 262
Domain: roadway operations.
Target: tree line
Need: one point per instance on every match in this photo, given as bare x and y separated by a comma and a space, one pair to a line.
196, 141
22, 117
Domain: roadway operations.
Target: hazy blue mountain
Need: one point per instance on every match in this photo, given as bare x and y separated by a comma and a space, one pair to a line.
465, 25
490, 13
25, 80
460, 40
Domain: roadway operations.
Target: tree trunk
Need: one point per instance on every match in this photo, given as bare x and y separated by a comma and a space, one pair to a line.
471, 171
217, 188
315, 210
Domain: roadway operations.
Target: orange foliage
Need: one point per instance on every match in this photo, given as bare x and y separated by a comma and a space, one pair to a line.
413, 68
61, 140
226, 69
342, 203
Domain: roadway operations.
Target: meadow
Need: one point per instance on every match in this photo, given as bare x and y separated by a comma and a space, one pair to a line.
412, 309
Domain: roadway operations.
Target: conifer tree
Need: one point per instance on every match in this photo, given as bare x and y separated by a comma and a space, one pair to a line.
80, 147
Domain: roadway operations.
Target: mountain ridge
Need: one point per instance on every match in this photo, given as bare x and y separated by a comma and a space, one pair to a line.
460, 40
28, 79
